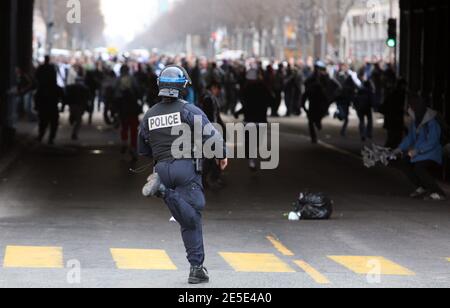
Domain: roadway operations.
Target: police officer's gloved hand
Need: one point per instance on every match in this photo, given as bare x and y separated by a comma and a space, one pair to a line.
154, 187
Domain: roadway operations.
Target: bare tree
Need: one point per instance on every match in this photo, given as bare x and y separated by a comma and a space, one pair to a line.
86, 34
248, 17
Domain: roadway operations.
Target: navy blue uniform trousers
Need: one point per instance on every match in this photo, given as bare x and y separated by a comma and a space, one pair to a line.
186, 200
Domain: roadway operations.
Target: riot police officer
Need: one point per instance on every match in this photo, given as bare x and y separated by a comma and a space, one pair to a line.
178, 181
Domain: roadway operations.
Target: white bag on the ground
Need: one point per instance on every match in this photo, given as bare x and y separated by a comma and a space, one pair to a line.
378, 155
294, 216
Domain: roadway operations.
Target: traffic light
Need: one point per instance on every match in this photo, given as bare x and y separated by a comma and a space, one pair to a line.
392, 33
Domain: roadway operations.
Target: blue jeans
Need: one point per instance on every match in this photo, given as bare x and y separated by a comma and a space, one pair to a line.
186, 201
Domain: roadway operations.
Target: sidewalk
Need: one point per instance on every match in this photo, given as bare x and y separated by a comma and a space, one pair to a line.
27, 133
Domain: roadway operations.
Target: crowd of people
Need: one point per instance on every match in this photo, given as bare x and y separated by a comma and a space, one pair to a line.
123, 89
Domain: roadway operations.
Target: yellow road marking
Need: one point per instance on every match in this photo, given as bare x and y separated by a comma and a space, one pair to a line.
280, 247
312, 272
448, 259
142, 259
33, 257
254, 262
371, 265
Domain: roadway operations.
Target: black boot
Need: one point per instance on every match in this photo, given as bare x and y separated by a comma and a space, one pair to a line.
199, 274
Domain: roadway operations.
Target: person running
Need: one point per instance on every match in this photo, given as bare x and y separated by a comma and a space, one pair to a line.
364, 102
178, 180
256, 100
349, 84
319, 93
77, 98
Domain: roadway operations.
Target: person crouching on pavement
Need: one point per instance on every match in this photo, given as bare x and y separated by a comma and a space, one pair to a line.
422, 150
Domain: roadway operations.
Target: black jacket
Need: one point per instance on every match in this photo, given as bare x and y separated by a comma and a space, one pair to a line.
256, 99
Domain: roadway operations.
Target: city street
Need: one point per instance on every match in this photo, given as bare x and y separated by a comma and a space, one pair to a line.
77, 204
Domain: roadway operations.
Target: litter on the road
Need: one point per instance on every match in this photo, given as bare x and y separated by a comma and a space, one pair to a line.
378, 155
294, 216
312, 206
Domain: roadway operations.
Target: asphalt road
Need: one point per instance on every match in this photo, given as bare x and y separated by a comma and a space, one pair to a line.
72, 216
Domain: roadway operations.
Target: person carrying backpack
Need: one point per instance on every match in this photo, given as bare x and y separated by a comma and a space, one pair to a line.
422, 150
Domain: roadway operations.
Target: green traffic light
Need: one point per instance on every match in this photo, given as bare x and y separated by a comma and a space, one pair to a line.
391, 43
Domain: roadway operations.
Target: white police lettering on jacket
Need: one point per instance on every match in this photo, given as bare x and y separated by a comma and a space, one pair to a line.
164, 121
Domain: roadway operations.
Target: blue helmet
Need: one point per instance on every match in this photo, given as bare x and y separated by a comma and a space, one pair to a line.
173, 82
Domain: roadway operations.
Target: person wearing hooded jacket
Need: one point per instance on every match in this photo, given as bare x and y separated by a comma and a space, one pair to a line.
422, 150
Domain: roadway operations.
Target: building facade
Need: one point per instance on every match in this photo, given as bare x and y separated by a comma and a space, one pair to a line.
364, 31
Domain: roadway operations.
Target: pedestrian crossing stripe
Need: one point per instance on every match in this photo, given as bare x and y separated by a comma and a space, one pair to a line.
142, 259
280, 247
372, 265
256, 262
33, 257
312, 272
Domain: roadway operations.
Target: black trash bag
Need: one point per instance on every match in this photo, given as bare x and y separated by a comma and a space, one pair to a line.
314, 206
